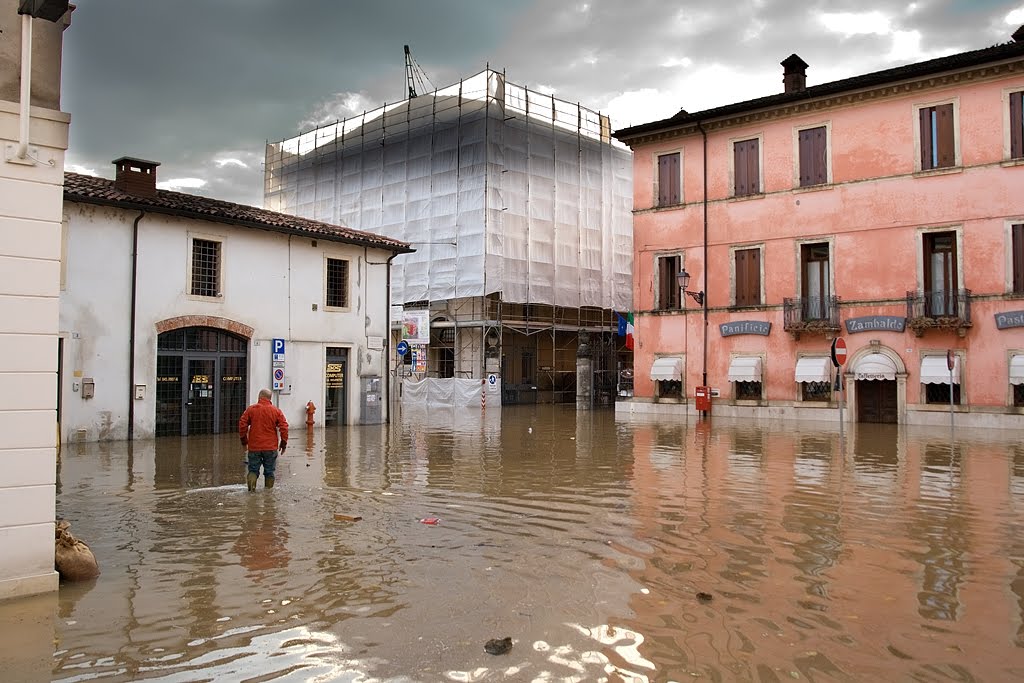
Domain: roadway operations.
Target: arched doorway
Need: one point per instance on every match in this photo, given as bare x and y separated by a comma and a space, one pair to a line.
201, 379
878, 375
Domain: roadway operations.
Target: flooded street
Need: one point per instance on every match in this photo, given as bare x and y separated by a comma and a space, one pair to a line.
896, 554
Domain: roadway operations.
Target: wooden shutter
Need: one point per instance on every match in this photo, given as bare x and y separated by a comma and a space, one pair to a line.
748, 277
753, 167
813, 164
1018, 258
669, 180
1017, 125
668, 284
926, 137
739, 162
945, 134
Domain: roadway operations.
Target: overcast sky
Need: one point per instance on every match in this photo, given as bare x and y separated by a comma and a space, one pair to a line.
201, 85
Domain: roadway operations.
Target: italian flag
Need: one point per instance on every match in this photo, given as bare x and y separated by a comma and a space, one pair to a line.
629, 331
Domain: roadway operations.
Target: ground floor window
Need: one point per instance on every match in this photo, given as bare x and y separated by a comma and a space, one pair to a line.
201, 379
816, 391
939, 393
670, 388
748, 390
1018, 395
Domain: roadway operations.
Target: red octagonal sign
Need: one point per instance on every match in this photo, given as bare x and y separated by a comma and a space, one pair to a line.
838, 351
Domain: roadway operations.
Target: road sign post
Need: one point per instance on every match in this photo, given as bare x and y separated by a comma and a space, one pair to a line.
950, 364
277, 364
838, 359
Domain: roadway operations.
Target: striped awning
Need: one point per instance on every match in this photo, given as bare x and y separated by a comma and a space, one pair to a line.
669, 368
935, 371
745, 369
1017, 370
815, 369
875, 366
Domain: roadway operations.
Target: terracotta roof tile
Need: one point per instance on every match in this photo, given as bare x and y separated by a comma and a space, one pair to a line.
92, 190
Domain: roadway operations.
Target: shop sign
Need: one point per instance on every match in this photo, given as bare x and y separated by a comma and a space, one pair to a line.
876, 323
745, 327
1005, 321
335, 376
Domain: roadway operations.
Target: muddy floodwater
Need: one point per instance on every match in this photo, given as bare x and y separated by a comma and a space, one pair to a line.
616, 549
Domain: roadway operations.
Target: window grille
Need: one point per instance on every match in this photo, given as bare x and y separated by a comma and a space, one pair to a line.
205, 268
337, 283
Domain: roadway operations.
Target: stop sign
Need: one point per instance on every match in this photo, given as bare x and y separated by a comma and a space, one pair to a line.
838, 351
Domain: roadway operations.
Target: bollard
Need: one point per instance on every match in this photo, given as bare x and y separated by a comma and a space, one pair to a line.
483, 394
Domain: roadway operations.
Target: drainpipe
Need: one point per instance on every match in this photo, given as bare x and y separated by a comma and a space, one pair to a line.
131, 327
26, 85
704, 367
387, 353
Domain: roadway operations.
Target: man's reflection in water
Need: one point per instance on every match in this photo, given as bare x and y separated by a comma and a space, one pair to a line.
263, 541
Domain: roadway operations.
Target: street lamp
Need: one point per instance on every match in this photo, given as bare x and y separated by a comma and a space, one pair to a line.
684, 279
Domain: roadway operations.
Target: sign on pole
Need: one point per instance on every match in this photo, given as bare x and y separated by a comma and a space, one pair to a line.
402, 348
950, 364
838, 351
277, 364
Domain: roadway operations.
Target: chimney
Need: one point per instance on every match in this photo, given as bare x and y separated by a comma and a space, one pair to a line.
1018, 35
136, 176
794, 74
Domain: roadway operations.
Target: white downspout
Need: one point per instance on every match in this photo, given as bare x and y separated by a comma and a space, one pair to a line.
26, 84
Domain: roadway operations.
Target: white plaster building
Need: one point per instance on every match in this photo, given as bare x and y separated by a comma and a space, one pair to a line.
33, 138
177, 340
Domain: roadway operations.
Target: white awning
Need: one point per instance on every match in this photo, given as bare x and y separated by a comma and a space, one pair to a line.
1017, 370
814, 369
875, 366
667, 368
935, 371
745, 369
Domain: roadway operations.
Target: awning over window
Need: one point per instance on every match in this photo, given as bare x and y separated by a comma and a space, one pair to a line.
875, 366
813, 369
935, 371
1017, 370
667, 368
745, 369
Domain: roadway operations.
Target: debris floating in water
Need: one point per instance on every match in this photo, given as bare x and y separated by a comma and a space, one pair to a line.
704, 597
432, 521
498, 646
338, 517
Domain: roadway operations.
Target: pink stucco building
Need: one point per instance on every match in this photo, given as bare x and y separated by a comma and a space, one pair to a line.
886, 209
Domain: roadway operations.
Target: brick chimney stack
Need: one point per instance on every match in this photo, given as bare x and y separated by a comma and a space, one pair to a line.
794, 74
136, 176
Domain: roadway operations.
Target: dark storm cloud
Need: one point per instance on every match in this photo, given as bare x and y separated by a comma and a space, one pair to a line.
200, 85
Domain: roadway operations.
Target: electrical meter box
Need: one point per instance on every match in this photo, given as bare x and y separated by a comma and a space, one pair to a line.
370, 391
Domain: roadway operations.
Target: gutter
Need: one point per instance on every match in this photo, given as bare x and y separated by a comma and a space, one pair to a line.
704, 361
26, 86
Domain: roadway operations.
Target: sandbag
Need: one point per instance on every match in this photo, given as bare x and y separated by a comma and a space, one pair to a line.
73, 560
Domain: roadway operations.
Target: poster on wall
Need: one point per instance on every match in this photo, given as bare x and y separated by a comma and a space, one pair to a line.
419, 358
416, 327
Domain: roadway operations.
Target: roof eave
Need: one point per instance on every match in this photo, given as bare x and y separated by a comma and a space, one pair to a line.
396, 248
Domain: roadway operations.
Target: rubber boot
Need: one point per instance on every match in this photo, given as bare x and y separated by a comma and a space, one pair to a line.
268, 482
250, 480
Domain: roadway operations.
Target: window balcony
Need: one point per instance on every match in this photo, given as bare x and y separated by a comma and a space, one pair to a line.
939, 310
811, 314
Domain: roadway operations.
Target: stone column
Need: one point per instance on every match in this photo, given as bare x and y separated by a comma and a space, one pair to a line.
584, 374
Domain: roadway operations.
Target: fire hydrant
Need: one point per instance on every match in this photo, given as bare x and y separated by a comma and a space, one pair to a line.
310, 409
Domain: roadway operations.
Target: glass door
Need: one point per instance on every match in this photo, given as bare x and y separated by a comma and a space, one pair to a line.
199, 403
335, 369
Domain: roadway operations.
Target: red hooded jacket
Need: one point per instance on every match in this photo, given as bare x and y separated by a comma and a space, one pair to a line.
259, 425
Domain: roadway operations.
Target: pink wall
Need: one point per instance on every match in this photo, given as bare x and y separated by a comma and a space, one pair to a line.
874, 209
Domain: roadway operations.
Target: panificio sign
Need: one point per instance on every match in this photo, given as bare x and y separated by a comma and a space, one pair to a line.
745, 327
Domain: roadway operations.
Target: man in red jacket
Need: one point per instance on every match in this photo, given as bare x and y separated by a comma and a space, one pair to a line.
258, 429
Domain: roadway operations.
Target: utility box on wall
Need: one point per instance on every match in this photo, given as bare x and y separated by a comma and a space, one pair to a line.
370, 391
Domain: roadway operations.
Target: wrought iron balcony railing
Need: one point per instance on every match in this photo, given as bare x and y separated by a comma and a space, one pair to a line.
939, 309
811, 314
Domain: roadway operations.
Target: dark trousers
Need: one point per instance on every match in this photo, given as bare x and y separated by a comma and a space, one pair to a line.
268, 460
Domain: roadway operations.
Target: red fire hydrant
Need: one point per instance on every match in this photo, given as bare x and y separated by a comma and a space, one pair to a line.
310, 409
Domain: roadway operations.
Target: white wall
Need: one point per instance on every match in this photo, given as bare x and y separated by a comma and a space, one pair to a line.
30, 206
270, 283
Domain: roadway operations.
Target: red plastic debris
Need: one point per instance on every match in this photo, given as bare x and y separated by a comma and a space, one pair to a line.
432, 521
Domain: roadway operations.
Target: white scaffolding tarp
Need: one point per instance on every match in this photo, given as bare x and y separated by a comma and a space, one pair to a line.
500, 189
450, 391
